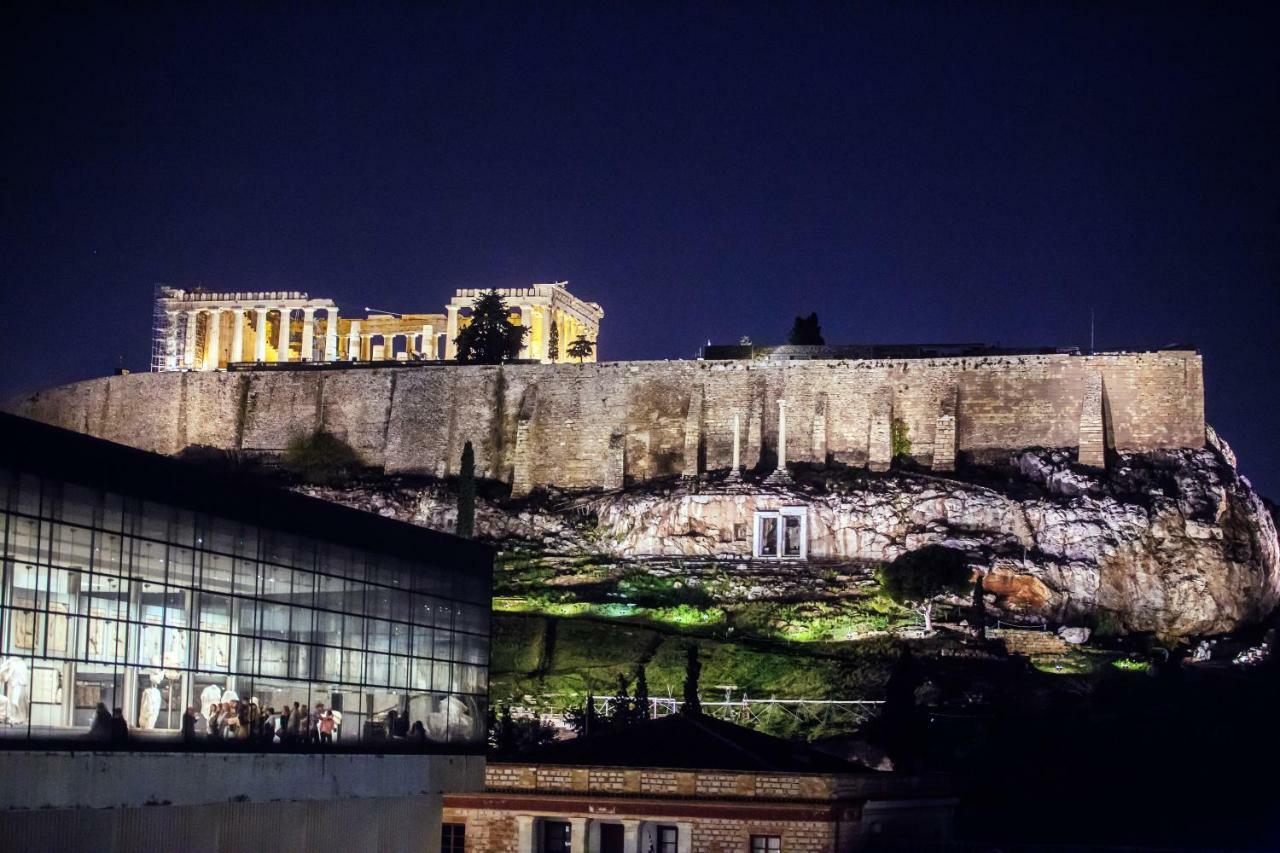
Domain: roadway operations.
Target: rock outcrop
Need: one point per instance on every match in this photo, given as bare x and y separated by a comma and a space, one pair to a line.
1176, 543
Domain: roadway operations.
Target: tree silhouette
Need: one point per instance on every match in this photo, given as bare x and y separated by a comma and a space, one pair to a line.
467, 492
553, 342
806, 332
918, 577
692, 705
490, 337
581, 348
642, 709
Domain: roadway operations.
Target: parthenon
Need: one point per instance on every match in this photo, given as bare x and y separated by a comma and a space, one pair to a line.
205, 330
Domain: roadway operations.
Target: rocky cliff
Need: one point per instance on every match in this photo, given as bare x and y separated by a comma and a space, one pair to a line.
1176, 542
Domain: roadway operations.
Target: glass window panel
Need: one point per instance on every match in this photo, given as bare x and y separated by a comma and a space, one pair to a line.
353, 632
470, 648
300, 626
399, 638
215, 572
277, 582
176, 642
443, 647
112, 514
154, 521
767, 535
24, 539
247, 616
28, 499
401, 601
215, 611
72, 546
106, 640
246, 576
443, 614
79, 505
214, 651
181, 566
108, 553
422, 642
375, 667
175, 606
470, 618
378, 637
352, 666
149, 648
440, 674
148, 560
378, 602
423, 610
221, 536
398, 675
328, 628
330, 664
109, 597
420, 670
275, 658
791, 535
275, 620
304, 584
299, 661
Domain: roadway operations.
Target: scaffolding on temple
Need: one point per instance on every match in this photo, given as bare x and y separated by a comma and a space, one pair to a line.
161, 340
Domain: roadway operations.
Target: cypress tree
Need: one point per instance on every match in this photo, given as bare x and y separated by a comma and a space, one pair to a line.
643, 710
467, 492
692, 672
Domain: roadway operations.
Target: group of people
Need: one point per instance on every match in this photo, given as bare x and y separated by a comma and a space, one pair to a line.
108, 725
232, 719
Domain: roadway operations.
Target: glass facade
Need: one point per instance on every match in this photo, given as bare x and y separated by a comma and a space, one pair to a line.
155, 609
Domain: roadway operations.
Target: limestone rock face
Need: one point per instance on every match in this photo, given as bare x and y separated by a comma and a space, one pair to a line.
1175, 543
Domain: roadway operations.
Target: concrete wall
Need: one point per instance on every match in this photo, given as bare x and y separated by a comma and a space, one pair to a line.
554, 423
218, 802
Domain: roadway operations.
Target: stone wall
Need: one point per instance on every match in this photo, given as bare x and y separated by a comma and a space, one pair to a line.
571, 425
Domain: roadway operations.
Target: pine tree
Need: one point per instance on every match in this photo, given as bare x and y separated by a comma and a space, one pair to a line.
581, 348
692, 672
553, 342
490, 337
806, 332
467, 492
642, 709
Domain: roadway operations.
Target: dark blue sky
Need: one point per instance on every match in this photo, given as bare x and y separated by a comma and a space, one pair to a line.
912, 172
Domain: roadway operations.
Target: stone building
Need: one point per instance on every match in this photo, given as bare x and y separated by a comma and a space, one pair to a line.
204, 330
539, 308
691, 784
144, 584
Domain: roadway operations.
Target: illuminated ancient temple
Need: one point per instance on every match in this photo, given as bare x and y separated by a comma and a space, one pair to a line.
202, 330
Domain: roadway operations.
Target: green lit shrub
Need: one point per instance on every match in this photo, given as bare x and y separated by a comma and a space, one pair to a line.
320, 457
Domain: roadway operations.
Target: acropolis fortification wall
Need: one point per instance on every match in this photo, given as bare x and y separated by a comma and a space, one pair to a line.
592, 425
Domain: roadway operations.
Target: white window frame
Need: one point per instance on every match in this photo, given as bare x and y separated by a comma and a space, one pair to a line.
781, 514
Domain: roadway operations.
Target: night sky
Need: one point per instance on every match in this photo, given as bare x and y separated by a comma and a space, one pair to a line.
912, 172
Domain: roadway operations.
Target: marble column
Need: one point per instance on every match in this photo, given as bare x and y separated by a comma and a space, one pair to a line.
544, 333
260, 336
429, 350
524, 834
577, 835
331, 334
451, 332
353, 342
189, 354
308, 332
630, 836
237, 335
212, 340
282, 338
526, 321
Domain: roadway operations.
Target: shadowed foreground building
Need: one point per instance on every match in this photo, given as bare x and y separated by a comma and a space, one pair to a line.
142, 583
692, 784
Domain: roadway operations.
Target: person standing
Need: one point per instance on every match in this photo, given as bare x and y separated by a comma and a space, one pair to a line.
119, 728
189, 725
326, 727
